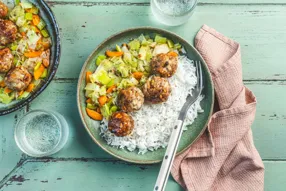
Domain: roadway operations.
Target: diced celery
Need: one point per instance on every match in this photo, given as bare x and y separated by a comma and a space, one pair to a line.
118, 48
102, 90
26, 5
90, 106
41, 24
44, 74
148, 54
99, 59
16, 12
107, 65
105, 111
45, 33
142, 53
125, 83
159, 39
142, 38
29, 16
92, 87
127, 57
170, 43
111, 83
161, 48
37, 66
103, 78
177, 46
122, 68
134, 44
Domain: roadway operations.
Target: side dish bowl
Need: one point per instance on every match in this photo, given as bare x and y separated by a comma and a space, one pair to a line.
47, 15
189, 136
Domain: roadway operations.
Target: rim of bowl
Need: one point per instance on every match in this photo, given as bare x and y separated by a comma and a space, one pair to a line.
81, 78
55, 26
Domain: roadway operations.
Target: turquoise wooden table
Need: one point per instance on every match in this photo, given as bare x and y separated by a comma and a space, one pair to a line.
259, 26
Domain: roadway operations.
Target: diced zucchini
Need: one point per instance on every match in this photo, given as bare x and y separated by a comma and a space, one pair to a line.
45, 73
170, 43
134, 44
159, 39
45, 33
29, 16
41, 24
118, 48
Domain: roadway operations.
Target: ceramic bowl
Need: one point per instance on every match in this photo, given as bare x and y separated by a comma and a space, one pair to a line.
188, 137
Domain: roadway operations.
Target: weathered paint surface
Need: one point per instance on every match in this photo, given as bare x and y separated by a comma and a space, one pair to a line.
259, 26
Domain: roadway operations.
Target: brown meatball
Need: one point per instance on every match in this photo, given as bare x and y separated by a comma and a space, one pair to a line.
164, 65
156, 89
6, 60
130, 99
18, 79
121, 124
3, 10
8, 32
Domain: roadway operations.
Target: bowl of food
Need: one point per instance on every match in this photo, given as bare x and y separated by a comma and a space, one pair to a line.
131, 90
29, 51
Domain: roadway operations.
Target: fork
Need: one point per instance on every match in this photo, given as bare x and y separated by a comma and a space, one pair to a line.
177, 132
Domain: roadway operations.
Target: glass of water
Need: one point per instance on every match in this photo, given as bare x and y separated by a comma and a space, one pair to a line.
41, 133
173, 12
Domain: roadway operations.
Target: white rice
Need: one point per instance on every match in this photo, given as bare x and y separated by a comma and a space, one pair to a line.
154, 123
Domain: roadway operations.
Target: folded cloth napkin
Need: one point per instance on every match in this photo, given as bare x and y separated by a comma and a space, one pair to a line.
224, 158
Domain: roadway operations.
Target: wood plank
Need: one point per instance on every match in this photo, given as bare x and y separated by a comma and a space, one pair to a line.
268, 129
109, 175
91, 25
200, 2
10, 154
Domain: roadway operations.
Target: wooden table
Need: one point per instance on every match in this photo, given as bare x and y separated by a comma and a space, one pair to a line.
259, 26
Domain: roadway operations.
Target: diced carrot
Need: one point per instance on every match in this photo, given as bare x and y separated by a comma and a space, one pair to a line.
172, 53
39, 72
110, 89
102, 100
87, 78
94, 115
137, 75
88, 100
30, 87
46, 62
113, 54
46, 44
7, 90
2, 84
23, 34
20, 93
33, 54
36, 19
98, 110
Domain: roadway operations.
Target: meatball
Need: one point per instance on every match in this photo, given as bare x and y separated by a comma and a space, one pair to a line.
156, 89
3, 10
164, 65
121, 124
8, 32
18, 79
6, 60
130, 99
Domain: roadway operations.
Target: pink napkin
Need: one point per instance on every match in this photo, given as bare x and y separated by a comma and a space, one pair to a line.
224, 158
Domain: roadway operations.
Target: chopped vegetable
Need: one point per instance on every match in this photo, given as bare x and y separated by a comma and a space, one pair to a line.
90, 106
102, 100
110, 89
45, 33
33, 54
36, 19
7, 90
87, 78
113, 54
29, 16
26, 4
45, 73
2, 84
113, 109
88, 100
94, 115
24, 95
15, 13
118, 48
41, 25
38, 73
99, 59
134, 44
37, 66
172, 53
137, 75
30, 87
170, 43
160, 40
177, 46
20, 93
5, 98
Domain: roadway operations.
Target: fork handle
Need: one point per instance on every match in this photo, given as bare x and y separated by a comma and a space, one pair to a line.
169, 156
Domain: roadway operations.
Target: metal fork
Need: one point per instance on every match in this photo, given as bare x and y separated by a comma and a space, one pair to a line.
177, 132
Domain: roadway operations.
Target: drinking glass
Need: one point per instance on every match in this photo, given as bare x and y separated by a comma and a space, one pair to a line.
173, 12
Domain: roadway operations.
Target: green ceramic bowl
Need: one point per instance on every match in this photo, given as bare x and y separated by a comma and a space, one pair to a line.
188, 137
